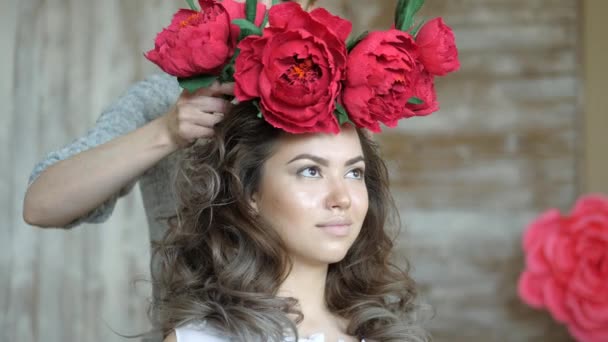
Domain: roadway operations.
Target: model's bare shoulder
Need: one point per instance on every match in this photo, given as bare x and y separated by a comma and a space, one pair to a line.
171, 337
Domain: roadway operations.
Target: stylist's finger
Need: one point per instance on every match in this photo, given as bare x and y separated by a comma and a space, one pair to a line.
207, 119
211, 104
217, 89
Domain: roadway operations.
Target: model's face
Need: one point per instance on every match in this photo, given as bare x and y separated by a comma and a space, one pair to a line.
313, 193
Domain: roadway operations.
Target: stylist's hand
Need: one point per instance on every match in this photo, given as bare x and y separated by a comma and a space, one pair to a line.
194, 114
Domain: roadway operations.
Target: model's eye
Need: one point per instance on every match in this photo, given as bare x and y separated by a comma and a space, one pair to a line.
356, 173
311, 171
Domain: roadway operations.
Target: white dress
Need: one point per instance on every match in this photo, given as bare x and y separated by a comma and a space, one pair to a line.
201, 333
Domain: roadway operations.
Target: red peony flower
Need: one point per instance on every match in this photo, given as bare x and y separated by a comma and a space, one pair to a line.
237, 10
422, 84
295, 68
567, 267
200, 43
437, 47
381, 76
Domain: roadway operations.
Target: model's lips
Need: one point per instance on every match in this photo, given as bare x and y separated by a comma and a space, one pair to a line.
336, 227
337, 222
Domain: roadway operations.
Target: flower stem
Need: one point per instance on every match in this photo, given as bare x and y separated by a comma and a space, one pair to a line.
192, 5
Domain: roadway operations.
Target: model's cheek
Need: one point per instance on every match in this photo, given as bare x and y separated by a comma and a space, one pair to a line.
360, 202
291, 204
304, 199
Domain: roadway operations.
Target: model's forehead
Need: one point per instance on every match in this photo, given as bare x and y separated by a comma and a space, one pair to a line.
342, 146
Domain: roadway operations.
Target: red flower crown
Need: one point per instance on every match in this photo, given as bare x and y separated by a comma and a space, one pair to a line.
298, 68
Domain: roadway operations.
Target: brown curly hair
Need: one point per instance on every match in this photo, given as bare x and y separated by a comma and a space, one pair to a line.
219, 264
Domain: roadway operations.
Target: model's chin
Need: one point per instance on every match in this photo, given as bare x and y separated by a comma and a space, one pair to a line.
331, 254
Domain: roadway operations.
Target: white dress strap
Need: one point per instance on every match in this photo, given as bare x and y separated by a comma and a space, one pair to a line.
197, 333
200, 332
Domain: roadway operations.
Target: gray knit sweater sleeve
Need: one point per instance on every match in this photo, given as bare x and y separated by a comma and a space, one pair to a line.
142, 103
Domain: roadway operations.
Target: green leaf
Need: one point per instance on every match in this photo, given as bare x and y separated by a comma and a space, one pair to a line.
250, 10
353, 42
227, 74
193, 84
192, 5
247, 28
405, 12
415, 100
265, 21
274, 2
415, 30
257, 105
341, 114
399, 11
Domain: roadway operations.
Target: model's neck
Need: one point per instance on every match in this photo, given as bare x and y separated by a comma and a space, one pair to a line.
306, 283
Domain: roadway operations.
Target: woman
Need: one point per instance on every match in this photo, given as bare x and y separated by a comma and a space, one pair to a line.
281, 226
282, 235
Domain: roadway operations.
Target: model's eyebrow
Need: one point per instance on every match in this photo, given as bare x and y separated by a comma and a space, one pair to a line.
324, 161
354, 160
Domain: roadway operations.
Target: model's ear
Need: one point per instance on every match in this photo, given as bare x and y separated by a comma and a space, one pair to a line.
253, 202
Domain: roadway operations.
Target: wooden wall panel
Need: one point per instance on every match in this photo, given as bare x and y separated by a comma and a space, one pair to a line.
594, 162
503, 148
67, 61
467, 179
